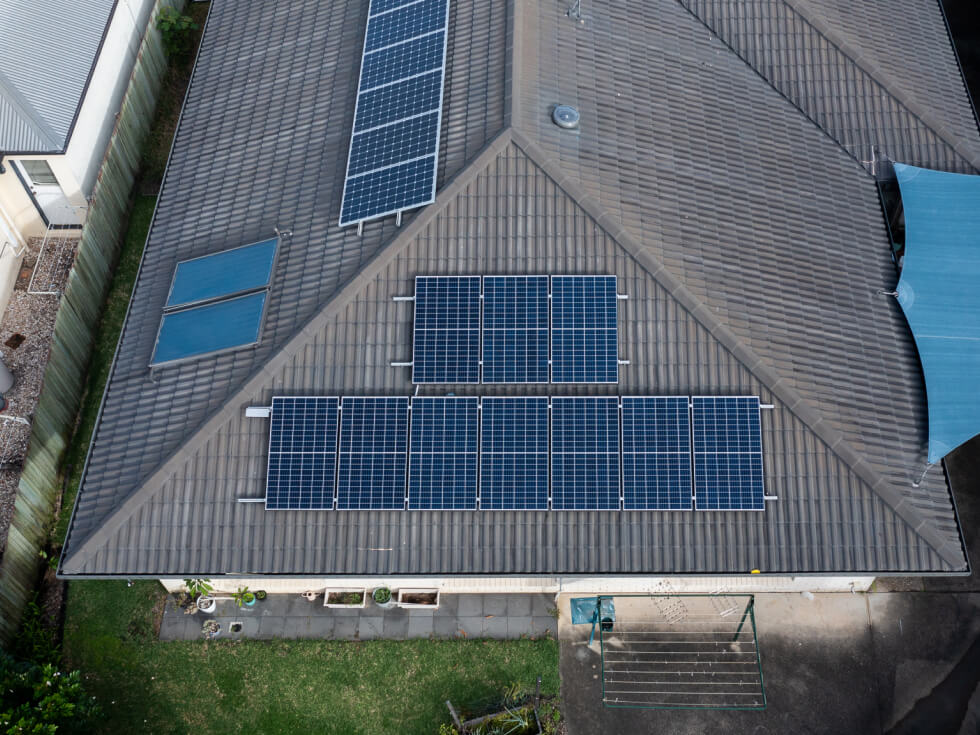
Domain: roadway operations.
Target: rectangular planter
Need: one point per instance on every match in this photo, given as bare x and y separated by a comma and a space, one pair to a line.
428, 598
338, 594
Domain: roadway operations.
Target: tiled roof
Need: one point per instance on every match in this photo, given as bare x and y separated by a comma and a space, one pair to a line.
749, 239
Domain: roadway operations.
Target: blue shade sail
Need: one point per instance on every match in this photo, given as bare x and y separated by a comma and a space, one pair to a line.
302, 454
442, 470
514, 454
727, 437
223, 274
583, 329
210, 328
515, 329
373, 453
585, 453
394, 146
656, 453
939, 291
446, 340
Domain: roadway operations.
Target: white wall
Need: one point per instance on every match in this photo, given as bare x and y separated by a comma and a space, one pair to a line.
550, 585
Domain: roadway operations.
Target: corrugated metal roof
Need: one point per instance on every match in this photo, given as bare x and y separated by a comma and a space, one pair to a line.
750, 242
49, 49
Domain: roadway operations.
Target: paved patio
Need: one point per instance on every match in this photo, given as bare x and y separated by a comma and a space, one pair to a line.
292, 616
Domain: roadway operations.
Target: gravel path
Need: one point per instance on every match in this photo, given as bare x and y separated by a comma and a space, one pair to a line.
25, 341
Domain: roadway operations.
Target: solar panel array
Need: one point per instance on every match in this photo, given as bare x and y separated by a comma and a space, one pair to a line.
511, 344
727, 453
302, 454
216, 302
391, 165
516, 453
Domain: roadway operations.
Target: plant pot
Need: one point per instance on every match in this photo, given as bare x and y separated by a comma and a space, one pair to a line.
345, 597
390, 602
425, 598
206, 604
249, 603
211, 629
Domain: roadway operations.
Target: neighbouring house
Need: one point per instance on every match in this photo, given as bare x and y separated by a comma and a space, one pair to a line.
721, 159
63, 73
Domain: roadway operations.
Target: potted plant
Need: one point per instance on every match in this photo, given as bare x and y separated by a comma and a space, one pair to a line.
260, 594
200, 591
244, 598
211, 629
345, 597
382, 597
418, 598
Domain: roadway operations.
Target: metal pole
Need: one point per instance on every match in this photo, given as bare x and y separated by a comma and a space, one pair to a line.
744, 616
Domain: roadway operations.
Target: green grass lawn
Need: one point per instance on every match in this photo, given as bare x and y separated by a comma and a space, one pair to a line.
145, 685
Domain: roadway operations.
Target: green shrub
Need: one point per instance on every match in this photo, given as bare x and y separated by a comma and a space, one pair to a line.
177, 31
39, 699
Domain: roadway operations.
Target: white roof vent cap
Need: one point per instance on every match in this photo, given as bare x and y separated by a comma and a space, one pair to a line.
565, 116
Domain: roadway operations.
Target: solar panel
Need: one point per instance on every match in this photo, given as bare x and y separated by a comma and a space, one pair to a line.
583, 329
223, 274
727, 454
302, 454
373, 453
446, 340
585, 453
515, 329
442, 463
656, 453
395, 140
209, 328
514, 454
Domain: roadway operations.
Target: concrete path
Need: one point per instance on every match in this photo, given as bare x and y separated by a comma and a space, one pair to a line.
292, 616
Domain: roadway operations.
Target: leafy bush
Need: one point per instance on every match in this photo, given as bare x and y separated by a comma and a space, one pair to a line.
36, 641
176, 30
39, 699
198, 587
382, 595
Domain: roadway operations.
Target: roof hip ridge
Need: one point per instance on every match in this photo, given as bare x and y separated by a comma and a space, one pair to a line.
80, 552
887, 81
788, 395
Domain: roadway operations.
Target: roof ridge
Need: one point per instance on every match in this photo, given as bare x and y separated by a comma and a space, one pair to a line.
79, 552
789, 396
888, 83
21, 105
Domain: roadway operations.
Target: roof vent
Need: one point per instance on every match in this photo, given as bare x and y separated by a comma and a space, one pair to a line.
565, 116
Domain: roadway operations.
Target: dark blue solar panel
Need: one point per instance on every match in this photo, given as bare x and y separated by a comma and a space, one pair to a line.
383, 6
727, 436
373, 453
399, 100
408, 21
515, 329
585, 453
210, 328
223, 274
583, 329
656, 453
446, 340
393, 143
405, 60
442, 467
514, 454
386, 191
302, 454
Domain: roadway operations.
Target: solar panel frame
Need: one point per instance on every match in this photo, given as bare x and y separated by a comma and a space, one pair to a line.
461, 423
389, 491
504, 325
511, 476
582, 455
418, 195
328, 455
748, 486
604, 333
656, 450
439, 321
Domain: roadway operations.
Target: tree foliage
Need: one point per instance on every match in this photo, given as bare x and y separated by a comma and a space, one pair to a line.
41, 700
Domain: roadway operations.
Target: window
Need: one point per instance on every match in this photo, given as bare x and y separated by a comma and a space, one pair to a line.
39, 172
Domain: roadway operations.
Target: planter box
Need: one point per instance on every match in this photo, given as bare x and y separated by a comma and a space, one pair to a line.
342, 596
418, 598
